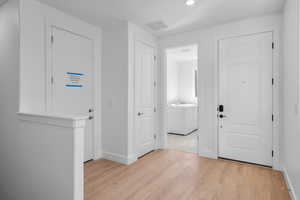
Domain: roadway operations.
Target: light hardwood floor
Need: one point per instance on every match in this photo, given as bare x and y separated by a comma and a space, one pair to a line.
177, 175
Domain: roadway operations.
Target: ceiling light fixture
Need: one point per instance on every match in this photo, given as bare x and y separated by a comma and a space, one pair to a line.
190, 2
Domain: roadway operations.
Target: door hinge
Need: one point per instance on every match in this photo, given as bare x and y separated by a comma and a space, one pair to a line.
52, 80
154, 83
52, 39
154, 58
273, 45
273, 118
154, 109
272, 81
272, 153
155, 136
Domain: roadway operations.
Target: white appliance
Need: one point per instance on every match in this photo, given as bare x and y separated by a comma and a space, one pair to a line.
182, 118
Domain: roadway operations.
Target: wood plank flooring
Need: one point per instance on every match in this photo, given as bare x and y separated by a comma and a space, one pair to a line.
177, 175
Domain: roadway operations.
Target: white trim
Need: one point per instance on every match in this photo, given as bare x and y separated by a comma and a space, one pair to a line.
54, 119
93, 33
276, 89
164, 138
119, 158
289, 184
207, 154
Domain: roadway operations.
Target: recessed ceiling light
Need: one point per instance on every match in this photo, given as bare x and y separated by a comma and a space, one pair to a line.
190, 2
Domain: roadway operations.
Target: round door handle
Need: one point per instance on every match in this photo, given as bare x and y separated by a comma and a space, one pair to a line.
91, 117
140, 113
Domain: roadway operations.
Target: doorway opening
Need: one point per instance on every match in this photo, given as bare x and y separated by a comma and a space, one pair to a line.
182, 98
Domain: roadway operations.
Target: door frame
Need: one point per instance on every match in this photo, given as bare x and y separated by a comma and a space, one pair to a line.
275, 92
163, 137
93, 33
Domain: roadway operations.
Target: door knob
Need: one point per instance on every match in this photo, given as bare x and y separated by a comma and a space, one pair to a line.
91, 117
140, 113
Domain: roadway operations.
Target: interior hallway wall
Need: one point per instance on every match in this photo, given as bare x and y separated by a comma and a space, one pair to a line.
291, 137
10, 169
114, 90
172, 81
118, 139
186, 81
181, 81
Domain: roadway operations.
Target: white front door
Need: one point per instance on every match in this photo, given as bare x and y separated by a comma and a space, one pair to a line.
245, 91
144, 98
72, 79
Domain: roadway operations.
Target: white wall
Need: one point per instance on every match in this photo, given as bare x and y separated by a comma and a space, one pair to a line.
114, 90
118, 116
186, 81
290, 138
172, 81
181, 81
27, 152
50, 157
33, 57
10, 167
207, 62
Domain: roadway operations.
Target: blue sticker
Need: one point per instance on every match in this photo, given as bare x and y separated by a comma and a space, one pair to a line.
73, 79
74, 86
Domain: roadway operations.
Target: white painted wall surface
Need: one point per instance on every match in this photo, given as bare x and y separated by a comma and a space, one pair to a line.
186, 86
118, 137
207, 62
10, 149
33, 56
290, 149
36, 160
114, 91
181, 81
172, 81
51, 157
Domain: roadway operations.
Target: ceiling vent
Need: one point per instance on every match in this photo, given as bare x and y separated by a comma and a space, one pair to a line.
157, 25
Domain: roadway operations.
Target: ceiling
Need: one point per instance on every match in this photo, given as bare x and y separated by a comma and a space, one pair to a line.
173, 13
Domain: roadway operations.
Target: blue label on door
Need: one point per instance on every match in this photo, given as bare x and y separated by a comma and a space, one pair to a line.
73, 80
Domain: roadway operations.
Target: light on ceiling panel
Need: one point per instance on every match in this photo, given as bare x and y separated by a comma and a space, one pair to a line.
190, 2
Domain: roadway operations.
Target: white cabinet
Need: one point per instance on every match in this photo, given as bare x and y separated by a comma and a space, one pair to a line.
182, 118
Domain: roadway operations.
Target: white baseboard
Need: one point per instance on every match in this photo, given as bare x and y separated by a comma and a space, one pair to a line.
289, 184
208, 154
119, 158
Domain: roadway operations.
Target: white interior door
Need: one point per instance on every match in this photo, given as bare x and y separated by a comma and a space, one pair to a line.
144, 98
72, 79
245, 90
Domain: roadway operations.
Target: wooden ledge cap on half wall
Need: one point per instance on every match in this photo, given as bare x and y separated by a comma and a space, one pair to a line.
60, 120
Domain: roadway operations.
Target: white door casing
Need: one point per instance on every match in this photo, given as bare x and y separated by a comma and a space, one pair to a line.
72, 84
245, 90
144, 98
